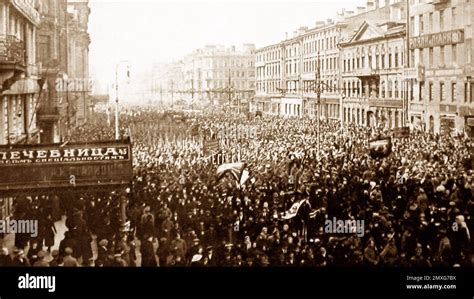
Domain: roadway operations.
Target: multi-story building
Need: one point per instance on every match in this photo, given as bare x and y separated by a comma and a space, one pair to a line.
166, 80
441, 65
268, 80
19, 86
78, 61
301, 75
219, 75
63, 49
52, 55
372, 69
286, 73
320, 63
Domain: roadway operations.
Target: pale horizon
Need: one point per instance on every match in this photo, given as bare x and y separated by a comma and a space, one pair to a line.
145, 32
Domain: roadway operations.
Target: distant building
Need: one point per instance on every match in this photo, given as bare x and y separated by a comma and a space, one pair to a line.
78, 60
215, 74
372, 69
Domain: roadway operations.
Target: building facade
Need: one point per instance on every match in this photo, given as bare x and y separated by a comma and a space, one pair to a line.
19, 74
213, 75
303, 75
372, 75
19, 21
287, 72
63, 53
441, 60
78, 41
52, 55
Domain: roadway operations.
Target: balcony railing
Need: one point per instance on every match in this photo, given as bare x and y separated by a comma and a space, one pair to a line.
12, 50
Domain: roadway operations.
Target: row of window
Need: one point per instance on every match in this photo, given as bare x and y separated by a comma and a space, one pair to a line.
377, 61
443, 53
427, 21
16, 115
442, 94
270, 87
221, 84
292, 51
326, 64
272, 55
269, 70
227, 63
225, 74
388, 90
327, 86
320, 45
292, 67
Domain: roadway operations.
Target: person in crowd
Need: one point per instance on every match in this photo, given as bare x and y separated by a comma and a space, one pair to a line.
69, 260
19, 259
56, 259
147, 252
5, 258
41, 262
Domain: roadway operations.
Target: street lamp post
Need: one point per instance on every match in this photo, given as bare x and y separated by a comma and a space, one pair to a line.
117, 132
318, 92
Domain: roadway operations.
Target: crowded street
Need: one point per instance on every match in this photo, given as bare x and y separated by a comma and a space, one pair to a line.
416, 203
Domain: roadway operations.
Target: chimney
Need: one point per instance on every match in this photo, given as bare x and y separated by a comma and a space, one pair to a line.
286, 35
249, 47
319, 23
370, 5
360, 10
349, 13
295, 33
302, 30
329, 21
377, 4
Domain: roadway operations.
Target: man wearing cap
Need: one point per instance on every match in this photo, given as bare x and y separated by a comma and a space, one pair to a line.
40, 262
180, 246
5, 258
69, 260
56, 259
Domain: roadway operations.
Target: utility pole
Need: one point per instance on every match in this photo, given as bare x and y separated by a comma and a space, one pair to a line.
117, 132
229, 91
192, 87
407, 65
172, 92
66, 20
161, 95
318, 93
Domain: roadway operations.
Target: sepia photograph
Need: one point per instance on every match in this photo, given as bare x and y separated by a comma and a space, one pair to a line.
221, 134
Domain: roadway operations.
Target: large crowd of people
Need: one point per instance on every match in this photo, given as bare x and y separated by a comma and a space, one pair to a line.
416, 204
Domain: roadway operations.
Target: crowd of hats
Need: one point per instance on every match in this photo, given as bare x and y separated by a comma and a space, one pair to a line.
416, 204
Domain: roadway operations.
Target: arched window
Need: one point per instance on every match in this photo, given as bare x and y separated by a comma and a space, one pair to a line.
369, 57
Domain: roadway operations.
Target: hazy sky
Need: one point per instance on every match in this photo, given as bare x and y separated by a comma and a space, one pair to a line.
147, 31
